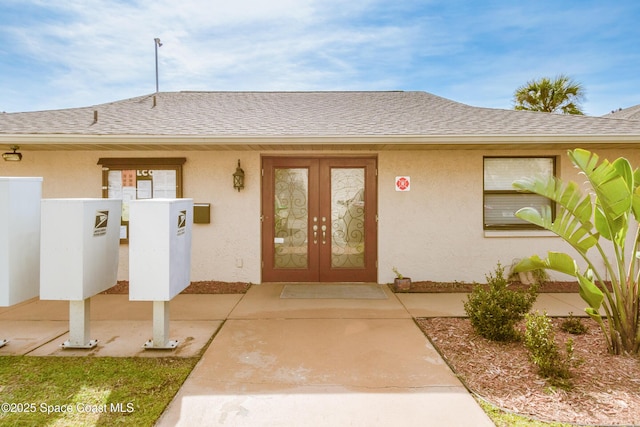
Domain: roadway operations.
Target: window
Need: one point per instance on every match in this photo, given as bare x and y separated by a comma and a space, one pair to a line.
501, 200
140, 178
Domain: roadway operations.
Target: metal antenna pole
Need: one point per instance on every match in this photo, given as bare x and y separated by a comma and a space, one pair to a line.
157, 44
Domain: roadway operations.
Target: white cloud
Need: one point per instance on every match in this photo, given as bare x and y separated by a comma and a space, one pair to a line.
81, 52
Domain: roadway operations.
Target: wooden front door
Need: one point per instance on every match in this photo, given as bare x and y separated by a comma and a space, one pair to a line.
319, 220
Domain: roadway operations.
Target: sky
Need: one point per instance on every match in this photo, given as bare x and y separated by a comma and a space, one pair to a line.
78, 53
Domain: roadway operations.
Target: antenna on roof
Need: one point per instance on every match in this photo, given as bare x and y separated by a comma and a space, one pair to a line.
157, 43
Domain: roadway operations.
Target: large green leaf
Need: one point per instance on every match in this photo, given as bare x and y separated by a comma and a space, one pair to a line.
566, 195
566, 225
557, 261
593, 314
623, 167
602, 225
563, 263
529, 264
589, 292
534, 217
573, 216
609, 181
635, 203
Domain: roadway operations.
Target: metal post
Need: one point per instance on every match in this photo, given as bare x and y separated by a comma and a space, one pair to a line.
160, 339
157, 44
79, 314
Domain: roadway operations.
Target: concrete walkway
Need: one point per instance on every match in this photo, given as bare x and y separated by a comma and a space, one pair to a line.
282, 362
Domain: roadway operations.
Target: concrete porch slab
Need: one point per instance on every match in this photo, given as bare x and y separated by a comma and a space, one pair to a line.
369, 372
25, 336
561, 304
182, 307
434, 305
36, 309
264, 302
126, 338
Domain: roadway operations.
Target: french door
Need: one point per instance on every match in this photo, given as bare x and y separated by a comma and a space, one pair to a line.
319, 219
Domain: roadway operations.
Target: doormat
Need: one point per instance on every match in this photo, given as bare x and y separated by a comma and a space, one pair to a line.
333, 291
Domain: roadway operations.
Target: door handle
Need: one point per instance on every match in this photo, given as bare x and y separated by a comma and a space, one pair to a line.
324, 234
315, 234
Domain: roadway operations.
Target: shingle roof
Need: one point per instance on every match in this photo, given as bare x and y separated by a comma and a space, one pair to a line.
631, 113
303, 114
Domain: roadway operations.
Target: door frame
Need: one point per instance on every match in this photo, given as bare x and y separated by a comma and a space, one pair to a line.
321, 264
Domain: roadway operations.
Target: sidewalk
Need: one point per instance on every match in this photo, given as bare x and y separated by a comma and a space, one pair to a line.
273, 361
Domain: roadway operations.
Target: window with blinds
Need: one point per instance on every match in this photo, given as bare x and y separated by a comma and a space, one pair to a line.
501, 200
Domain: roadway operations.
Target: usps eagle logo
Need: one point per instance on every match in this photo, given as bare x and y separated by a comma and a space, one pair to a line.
100, 225
182, 222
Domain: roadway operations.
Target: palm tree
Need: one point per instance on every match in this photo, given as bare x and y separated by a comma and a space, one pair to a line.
559, 95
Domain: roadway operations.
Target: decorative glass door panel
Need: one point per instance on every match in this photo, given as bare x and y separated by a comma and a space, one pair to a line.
291, 218
319, 220
347, 218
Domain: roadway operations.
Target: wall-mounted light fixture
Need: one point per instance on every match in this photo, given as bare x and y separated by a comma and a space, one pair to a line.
238, 178
12, 157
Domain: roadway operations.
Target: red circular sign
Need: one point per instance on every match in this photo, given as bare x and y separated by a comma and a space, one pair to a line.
402, 183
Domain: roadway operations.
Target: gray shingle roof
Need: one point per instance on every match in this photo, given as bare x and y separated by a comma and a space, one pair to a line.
309, 114
631, 113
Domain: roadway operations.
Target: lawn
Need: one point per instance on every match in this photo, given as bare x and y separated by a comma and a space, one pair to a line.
88, 391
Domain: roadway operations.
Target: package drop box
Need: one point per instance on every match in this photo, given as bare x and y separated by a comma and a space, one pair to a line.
79, 249
159, 248
19, 239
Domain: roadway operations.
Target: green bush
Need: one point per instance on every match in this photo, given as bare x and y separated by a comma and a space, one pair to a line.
573, 325
539, 339
495, 310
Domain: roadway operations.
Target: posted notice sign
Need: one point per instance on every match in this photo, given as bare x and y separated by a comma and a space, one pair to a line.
403, 183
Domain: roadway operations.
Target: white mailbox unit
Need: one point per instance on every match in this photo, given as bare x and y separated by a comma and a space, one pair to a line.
159, 258
19, 240
79, 257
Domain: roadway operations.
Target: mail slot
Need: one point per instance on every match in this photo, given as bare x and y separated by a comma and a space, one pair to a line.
201, 213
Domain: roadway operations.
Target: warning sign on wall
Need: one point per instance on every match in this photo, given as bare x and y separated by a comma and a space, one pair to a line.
403, 183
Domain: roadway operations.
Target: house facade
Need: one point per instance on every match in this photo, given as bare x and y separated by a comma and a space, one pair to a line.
338, 186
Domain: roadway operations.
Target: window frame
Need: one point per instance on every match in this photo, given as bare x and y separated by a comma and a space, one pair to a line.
485, 192
140, 163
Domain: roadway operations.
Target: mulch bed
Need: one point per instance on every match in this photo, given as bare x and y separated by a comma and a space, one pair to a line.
218, 287
605, 388
202, 287
454, 287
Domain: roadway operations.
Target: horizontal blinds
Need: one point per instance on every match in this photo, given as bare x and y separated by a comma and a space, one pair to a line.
500, 209
500, 173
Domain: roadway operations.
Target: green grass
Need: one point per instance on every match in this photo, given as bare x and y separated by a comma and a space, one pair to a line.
506, 419
88, 391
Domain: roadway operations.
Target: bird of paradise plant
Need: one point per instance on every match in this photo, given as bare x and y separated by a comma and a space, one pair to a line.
591, 224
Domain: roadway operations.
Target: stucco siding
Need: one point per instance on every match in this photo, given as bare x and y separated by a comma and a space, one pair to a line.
433, 232
227, 249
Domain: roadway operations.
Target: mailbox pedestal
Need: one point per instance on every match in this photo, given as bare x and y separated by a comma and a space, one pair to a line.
159, 258
79, 257
19, 240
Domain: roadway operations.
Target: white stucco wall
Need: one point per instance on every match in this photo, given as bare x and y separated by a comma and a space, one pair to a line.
433, 232
227, 249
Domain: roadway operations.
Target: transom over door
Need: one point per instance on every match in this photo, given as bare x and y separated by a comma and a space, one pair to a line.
319, 220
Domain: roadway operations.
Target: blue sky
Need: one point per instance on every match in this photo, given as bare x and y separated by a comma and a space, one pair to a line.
75, 53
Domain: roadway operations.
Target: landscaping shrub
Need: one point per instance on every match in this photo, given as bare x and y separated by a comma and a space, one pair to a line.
494, 310
573, 325
539, 339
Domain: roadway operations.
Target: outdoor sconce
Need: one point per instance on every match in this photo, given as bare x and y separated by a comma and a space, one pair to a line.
238, 178
12, 157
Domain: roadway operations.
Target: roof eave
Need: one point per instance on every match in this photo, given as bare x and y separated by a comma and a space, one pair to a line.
382, 142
